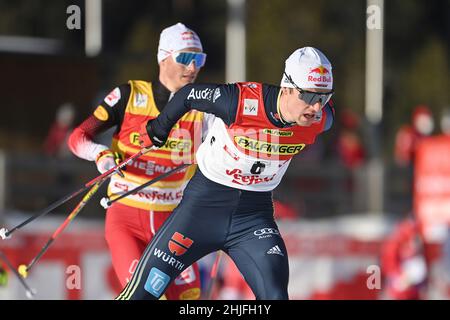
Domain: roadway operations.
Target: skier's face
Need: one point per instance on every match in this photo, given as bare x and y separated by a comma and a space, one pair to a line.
176, 75
299, 111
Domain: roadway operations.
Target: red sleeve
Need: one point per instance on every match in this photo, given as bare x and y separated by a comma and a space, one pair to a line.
108, 114
80, 141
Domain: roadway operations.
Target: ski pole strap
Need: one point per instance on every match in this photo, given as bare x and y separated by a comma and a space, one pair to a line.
117, 168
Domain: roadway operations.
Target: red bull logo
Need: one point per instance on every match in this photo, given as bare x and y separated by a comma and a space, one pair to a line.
324, 76
320, 70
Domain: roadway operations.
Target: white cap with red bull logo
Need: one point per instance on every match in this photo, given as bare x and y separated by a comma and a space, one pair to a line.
309, 68
176, 38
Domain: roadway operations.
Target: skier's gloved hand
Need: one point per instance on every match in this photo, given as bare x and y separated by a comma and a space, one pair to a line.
106, 160
147, 136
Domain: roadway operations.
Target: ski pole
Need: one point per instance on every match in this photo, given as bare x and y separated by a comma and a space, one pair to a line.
24, 269
5, 233
29, 292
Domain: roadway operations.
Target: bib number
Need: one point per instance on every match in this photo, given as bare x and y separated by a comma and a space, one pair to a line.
257, 168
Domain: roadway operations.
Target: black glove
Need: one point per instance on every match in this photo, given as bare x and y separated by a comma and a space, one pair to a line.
147, 137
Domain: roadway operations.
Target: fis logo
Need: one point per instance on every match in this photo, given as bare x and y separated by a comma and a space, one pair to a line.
140, 100
179, 244
250, 107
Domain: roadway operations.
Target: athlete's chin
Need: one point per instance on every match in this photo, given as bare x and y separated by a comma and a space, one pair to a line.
188, 79
304, 122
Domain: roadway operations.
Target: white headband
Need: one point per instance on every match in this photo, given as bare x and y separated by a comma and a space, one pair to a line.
176, 38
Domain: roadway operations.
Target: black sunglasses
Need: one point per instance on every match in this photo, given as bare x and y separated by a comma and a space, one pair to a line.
310, 97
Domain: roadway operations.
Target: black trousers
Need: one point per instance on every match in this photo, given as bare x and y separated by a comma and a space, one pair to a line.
214, 217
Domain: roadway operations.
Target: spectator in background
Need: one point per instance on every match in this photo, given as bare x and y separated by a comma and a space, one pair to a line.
406, 142
284, 211
403, 262
350, 148
409, 135
445, 129
55, 144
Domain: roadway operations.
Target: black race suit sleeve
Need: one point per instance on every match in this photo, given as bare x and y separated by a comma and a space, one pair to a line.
220, 100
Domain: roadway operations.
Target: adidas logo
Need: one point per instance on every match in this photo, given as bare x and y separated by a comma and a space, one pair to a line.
275, 250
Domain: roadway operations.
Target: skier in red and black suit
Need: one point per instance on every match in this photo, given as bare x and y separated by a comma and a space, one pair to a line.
132, 221
227, 205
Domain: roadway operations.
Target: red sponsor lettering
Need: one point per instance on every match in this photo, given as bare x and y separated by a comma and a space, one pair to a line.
164, 196
121, 186
247, 180
319, 79
154, 194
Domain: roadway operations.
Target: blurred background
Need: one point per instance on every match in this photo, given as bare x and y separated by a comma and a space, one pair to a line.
348, 203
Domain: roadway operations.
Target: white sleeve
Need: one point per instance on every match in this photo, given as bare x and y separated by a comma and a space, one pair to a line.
208, 120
